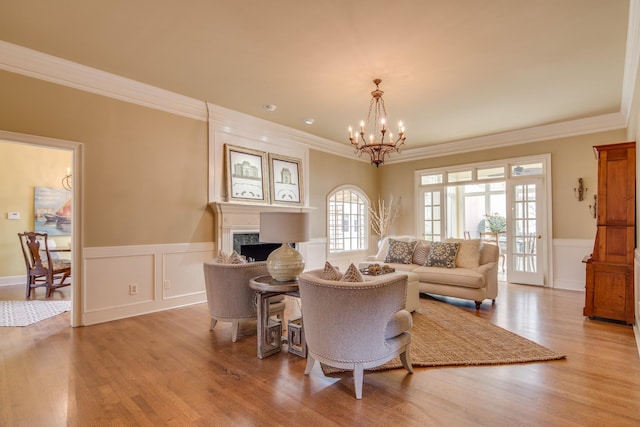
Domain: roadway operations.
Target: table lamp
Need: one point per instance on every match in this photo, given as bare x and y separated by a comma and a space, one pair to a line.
285, 263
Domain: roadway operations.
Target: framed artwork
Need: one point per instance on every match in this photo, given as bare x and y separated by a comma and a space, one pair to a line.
52, 211
286, 180
246, 174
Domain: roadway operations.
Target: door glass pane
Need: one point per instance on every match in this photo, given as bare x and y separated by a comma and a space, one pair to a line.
459, 176
491, 173
431, 179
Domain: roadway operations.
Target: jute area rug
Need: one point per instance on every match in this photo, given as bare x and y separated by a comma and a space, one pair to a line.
444, 335
24, 313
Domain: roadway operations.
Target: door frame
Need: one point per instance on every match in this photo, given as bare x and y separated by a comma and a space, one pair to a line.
77, 212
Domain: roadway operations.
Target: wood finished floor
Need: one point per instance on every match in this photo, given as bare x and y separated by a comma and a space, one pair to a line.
168, 369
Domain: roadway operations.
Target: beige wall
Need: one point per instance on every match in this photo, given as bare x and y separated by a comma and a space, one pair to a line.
145, 171
571, 158
22, 168
326, 172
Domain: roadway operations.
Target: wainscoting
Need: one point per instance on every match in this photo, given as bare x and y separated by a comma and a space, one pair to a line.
127, 281
569, 271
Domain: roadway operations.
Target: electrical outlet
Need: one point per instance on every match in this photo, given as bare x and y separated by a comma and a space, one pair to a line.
133, 289
167, 284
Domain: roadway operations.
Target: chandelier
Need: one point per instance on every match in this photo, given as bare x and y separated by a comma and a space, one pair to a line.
376, 146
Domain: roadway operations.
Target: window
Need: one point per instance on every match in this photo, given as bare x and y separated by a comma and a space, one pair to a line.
348, 209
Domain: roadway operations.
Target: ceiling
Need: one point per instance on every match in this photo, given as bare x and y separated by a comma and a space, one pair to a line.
451, 70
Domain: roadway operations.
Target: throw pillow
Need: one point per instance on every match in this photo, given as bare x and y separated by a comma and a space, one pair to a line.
400, 252
235, 258
468, 254
421, 252
223, 258
352, 275
330, 272
442, 254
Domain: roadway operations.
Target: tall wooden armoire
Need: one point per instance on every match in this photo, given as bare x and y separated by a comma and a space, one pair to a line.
609, 287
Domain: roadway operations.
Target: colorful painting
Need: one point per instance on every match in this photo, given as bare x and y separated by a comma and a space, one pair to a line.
52, 211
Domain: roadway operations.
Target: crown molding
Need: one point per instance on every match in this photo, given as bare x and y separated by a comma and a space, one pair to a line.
29, 62
25, 61
596, 124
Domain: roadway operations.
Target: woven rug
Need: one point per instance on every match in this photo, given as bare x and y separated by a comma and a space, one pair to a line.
444, 335
24, 313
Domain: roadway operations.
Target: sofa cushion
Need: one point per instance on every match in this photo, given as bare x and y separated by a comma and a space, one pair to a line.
463, 277
442, 254
420, 252
330, 272
352, 275
400, 252
469, 253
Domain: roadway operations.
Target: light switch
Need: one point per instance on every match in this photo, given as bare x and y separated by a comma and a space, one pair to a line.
13, 215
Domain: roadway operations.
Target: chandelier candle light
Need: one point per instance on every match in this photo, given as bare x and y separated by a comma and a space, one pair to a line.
376, 148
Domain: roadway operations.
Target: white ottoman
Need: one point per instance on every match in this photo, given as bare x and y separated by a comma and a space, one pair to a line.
413, 291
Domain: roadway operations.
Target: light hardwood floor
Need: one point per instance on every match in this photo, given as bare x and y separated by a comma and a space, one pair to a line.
169, 369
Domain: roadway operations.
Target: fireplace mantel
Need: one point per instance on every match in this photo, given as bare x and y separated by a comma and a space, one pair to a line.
232, 217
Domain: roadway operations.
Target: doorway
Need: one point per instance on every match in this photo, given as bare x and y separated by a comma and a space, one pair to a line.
510, 199
68, 150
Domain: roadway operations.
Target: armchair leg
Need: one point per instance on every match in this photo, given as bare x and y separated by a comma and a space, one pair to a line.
478, 304
212, 324
358, 376
405, 358
310, 363
235, 325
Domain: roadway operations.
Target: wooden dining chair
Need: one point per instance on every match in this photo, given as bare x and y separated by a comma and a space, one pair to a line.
494, 238
42, 269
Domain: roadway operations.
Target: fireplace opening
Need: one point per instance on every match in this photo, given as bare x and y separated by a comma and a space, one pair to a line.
249, 245
258, 252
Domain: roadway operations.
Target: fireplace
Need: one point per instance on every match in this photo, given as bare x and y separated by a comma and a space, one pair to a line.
239, 224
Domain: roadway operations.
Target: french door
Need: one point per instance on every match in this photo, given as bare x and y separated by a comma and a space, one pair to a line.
525, 247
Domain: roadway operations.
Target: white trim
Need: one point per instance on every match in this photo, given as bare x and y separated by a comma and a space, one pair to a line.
595, 124
632, 57
32, 63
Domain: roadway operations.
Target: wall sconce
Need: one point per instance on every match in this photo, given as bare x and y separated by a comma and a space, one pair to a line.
593, 209
66, 180
580, 191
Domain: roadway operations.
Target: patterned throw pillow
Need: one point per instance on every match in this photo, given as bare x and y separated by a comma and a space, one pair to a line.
442, 254
421, 252
330, 272
235, 258
352, 275
223, 258
400, 252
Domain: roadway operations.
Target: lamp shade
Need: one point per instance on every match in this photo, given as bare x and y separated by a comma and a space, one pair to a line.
284, 227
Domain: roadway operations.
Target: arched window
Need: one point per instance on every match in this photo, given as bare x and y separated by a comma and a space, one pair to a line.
348, 223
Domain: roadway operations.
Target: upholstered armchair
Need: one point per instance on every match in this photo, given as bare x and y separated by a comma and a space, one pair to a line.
355, 326
229, 296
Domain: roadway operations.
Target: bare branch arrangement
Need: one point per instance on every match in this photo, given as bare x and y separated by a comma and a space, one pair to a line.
382, 219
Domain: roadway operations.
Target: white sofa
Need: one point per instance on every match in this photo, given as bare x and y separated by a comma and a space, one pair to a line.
474, 276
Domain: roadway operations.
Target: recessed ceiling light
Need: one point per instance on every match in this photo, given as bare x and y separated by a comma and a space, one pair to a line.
270, 107
309, 121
